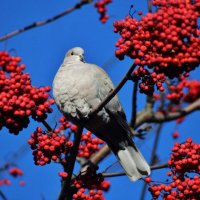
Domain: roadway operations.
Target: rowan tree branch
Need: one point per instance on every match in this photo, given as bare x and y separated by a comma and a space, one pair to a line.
153, 157
66, 190
149, 3
160, 117
44, 22
134, 104
2, 195
116, 174
47, 126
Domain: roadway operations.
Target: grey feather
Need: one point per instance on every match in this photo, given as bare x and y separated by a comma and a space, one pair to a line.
80, 87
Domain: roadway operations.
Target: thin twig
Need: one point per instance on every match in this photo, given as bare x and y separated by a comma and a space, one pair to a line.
44, 22
66, 191
47, 126
153, 157
117, 174
134, 104
3, 195
149, 3
114, 92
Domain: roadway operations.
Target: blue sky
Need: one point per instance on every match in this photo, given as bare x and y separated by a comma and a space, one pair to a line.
42, 50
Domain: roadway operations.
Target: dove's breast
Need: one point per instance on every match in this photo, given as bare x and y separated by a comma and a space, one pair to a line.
76, 90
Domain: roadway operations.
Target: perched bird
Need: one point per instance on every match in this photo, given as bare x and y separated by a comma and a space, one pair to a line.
78, 88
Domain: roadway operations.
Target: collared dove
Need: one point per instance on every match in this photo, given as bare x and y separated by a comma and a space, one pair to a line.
78, 88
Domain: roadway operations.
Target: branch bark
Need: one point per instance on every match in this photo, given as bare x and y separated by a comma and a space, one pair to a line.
153, 157
116, 174
134, 104
44, 22
159, 117
66, 191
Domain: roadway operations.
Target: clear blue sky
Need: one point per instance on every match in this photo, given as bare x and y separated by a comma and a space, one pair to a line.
42, 50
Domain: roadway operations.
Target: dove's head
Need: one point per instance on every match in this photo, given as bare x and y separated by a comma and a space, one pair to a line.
76, 54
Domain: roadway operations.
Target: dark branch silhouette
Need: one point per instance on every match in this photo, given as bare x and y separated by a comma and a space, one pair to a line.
116, 174
66, 191
44, 22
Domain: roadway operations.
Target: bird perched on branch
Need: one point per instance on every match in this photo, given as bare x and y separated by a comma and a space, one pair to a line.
78, 88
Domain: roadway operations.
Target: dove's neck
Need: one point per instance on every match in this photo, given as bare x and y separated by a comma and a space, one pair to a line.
72, 59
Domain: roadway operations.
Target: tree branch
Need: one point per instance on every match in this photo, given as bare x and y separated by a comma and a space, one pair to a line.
44, 22
154, 167
66, 191
159, 117
134, 104
2, 195
47, 126
153, 157
149, 3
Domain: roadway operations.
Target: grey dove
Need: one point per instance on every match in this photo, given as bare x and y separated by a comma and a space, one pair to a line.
78, 88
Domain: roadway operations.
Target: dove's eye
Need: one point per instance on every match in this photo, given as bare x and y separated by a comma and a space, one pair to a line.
72, 53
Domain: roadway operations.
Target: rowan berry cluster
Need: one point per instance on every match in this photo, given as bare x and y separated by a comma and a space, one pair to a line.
186, 90
185, 170
47, 147
5, 182
15, 171
89, 145
90, 185
101, 8
18, 98
193, 92
166, 42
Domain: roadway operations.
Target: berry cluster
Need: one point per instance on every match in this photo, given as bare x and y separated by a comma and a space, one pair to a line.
47, 147
193, 93
185, 157
63, 174
5, 182
15, 171
166, 42
185, 170
101, 8
89, 145
90, 186
178, 92
18, 98
148, 80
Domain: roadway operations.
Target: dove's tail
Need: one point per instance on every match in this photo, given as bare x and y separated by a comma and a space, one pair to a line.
132, 161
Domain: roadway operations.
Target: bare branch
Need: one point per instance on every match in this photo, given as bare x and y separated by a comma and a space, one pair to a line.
153, 157
149, 3
47, 126
154, 167
134, 104
44, 22
66, 191
2, 195
160, 117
